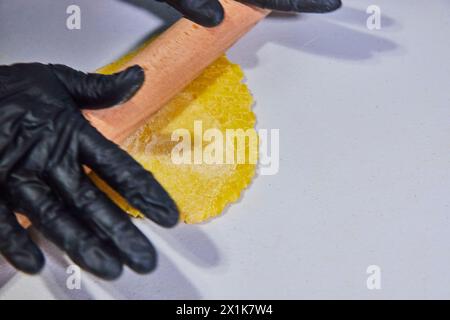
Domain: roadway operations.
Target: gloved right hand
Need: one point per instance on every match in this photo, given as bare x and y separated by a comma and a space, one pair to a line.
44, 141
210, 13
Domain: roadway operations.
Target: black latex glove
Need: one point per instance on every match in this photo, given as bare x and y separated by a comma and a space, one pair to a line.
209, 13
44, 141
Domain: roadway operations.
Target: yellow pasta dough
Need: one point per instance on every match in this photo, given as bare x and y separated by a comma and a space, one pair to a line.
218, 99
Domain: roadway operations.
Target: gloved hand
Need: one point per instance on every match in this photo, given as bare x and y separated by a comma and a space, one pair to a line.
44, 141
209, 13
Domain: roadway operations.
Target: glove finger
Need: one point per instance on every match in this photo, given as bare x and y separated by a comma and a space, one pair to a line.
94, 91
128, 177
208, 13
16, 245
312, 6
96, 209
52, 218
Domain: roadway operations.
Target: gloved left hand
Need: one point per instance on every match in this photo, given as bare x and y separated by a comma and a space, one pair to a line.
44, 141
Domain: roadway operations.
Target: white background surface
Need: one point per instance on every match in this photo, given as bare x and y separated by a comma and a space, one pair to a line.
364, 119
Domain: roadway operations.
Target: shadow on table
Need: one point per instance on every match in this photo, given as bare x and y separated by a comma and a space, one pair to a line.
166, 282
7, 273
359, 17
321, 35
193, 244
334, 35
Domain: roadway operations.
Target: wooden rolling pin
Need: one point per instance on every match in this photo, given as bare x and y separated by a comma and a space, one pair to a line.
171, 62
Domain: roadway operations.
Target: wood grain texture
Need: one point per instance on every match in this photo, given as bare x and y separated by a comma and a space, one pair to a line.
171, 62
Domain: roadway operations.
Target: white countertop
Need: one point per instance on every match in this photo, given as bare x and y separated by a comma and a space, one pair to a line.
364, 119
